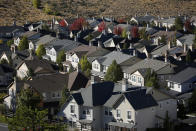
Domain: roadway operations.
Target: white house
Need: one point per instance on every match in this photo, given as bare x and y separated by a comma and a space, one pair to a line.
186, 40
109, 106
183, 81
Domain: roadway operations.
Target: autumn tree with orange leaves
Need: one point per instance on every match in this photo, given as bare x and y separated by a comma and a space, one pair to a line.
101, 26
78, 24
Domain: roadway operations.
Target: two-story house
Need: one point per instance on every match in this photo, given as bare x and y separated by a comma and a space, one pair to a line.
183, 81
136, 73
53, 49
109, 106
101, 64
187, 41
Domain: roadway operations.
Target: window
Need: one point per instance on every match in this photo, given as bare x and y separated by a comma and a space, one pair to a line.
139, 80
110, 112
86, 112
117, 113
171, 85
72, 109
133, 78
128, 114
178, 85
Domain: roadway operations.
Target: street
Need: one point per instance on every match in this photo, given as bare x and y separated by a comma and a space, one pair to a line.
3, 127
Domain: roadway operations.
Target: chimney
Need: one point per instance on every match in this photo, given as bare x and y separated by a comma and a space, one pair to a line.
166, 29
51, 25
147, 26
31, 54
134, 52
75, 38
124, 85
92, 79
127, 22
166, 57
104, 32
99, 43
57, 34
129, 36
93, 18
169, 44
90, 43
53, 20
14, 23
131, 46
185, 48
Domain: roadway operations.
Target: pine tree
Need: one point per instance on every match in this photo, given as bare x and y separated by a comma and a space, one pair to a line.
178, 24
114, 72
61, 57
84, 64
40, 51
23, 44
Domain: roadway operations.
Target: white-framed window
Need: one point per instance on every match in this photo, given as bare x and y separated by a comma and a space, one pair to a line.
129, 115
108, 111
117, 113
133, 78
72, 109
171, 85
139, 80
86, 112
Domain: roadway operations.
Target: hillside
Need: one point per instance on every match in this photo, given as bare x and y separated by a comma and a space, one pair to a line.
23, 10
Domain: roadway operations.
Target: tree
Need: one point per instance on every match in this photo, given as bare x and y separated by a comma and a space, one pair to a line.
121, 21
151, 79
71, 69
142, 34
29, 113
114, 72
84, 64
192, 102
117, 31
134, 32
101, 26
61, 57
10, 42
124, 33
78, 24
23, 44
40, 51
36, 3
178, 24
65, 95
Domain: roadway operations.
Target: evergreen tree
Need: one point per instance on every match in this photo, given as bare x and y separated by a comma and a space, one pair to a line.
114, 72
61, 57
84, 64
29, 113
40, 51
151, 79
65, 95
10, 42
178, 24
23, 44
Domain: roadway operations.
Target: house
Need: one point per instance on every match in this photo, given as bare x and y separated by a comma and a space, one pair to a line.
193, 20
118, 107
53, 49
8, 32
136, 73
35, 66
142, 19
31, 35
187, 41
101, 64
183, 81
35, 26
13, 89
44, 40
6, 75
74, 56
169, 36
165, 22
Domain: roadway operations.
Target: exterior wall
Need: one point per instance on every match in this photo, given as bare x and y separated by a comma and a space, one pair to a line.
169, 105
124, 107
180, 87
109, 43
75, 60
138, 81
52, 54
31, 46
145, 118
178, 43
22, 71
97, 118
4, 56
96, 66
66, 112
17, 41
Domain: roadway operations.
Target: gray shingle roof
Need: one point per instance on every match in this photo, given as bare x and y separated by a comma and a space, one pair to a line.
115, 55
187, 39
184, 76
146, 63
45, 40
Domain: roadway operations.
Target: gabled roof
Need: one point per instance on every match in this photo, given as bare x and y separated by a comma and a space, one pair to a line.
115, 55
187, 39
45, 40
184, 76
146, 63
30, 34
167, 34
139, 99
48, 83
76, 80
10, 29
146, 18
